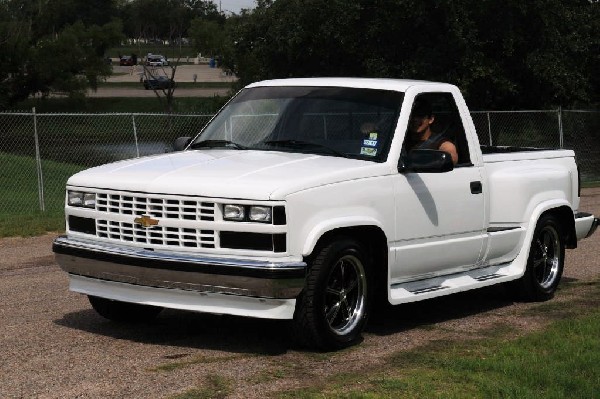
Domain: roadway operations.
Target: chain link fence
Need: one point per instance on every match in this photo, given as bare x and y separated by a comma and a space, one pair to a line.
38, 152
578, 130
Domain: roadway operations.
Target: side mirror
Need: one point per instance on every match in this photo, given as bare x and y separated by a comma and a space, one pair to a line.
180, 143
426, 161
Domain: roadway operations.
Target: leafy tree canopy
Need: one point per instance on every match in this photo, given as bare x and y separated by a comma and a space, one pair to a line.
45, 52
165, 19
509, 54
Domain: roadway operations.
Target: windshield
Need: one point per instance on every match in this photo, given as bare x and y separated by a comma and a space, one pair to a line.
333, 121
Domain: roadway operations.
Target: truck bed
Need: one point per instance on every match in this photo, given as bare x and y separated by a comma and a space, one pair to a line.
495, 149
510, 153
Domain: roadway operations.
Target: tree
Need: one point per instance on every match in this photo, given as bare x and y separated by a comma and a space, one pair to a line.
14, 40
539, 53
58, 14
68, 59
165, 95
207, 36
165, 19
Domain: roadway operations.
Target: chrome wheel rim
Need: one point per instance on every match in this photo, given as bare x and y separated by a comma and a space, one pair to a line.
345, 295
547, 253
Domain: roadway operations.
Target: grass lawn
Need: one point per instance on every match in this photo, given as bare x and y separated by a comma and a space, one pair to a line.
557, 357
20, 213
561, 361
588, 184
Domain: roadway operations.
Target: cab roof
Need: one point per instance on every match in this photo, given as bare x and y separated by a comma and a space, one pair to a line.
366, 83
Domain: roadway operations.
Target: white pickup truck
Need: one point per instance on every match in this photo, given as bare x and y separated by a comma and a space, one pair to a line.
301, 200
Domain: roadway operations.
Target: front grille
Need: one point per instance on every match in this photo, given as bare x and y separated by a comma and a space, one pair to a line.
157, 235
174, 221
166, 208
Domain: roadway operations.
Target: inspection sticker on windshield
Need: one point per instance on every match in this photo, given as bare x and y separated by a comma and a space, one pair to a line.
368, 151
373, 136
370, 143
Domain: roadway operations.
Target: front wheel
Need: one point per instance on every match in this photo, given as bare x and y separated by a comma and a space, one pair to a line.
123, 311
545, 263
332, 312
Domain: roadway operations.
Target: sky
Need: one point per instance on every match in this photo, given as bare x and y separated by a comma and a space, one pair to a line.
234, 5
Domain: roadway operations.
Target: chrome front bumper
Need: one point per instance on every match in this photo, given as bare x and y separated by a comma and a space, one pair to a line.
142, 267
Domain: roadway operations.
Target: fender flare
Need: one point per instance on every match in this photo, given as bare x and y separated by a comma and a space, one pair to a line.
324, 227
520, 262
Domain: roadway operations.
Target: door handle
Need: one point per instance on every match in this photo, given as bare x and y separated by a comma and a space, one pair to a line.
476, 187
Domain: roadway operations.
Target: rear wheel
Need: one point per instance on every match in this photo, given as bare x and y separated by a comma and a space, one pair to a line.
546, 261
123, 311
332, 311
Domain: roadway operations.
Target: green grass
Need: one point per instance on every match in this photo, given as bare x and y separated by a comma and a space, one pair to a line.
216, 387
20, 213
31, 224
562, 361
589, 184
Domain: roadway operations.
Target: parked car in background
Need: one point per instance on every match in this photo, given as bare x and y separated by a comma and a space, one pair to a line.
156, 60
157, 83
126, 60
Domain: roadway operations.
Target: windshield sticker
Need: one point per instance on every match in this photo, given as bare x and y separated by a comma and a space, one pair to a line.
368, 151
370, 143
373, 136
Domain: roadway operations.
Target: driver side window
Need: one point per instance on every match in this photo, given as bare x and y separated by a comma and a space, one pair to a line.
435, 123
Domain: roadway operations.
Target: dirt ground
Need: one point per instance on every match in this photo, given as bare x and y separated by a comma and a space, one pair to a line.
53, 345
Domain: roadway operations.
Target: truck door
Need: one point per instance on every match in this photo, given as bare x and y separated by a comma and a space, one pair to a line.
439, 216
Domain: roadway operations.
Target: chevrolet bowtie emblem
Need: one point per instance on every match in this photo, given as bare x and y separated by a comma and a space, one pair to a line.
145, 221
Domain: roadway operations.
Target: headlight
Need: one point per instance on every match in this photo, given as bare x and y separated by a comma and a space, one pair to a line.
81, 199
260, 214
248, 213
89, 200
234, 212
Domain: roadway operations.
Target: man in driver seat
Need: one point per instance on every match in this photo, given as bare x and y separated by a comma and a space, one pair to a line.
420, 135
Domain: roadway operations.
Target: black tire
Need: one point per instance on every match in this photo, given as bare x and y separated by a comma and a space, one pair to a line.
332, 311
545, 263
123, 311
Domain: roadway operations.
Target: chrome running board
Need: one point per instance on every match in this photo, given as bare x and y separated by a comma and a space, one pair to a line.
438, 286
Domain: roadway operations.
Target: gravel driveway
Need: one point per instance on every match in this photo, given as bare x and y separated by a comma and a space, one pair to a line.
55, 346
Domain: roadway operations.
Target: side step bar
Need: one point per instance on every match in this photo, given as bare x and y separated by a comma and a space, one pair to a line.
437, 286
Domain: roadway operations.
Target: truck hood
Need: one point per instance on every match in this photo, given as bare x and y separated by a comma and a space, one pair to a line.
227, 173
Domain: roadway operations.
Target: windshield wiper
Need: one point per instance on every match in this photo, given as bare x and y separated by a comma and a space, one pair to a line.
217, 144
299, 143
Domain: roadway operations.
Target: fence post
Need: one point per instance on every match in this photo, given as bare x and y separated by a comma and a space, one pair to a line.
38, 162
560, 128
137, 147
489, 128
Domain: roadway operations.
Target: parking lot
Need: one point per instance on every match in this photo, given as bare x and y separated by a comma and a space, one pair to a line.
184, 74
